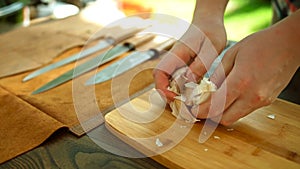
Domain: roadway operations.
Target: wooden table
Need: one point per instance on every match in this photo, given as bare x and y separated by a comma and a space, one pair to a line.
64, 150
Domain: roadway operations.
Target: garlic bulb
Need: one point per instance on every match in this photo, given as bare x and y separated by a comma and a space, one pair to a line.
189, 94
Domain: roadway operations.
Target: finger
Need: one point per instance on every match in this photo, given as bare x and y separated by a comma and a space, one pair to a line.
221, 99
240, 108
201, 111
217, 119
246, 104
177, 57
225, 66
161, 80
203, 61
196, 70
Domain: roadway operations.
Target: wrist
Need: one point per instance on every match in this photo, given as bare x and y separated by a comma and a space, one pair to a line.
209, 11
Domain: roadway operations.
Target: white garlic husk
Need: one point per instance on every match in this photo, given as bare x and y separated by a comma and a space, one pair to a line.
190, 94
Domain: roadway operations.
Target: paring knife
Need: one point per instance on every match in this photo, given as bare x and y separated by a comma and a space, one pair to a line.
116, 35
129, 62
116, 51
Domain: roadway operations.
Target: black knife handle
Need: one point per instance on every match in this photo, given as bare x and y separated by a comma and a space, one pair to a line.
160, 48
138, 40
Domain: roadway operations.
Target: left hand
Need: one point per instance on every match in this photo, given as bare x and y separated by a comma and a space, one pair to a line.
206, 40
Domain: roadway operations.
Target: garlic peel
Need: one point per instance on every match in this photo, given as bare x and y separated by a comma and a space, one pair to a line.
190, 94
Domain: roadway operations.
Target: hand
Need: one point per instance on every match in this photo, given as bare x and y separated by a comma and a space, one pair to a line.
206, 40
256, 70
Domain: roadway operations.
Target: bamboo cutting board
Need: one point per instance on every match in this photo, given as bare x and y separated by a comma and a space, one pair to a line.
256, 141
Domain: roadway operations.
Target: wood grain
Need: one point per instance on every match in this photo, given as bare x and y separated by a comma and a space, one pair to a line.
255, 141
64, 150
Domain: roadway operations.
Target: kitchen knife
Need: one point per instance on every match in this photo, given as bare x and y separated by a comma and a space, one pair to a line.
116, 51
115, 35
129, 62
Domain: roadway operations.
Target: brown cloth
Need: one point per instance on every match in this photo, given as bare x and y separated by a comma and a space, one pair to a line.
22, 126
58, 102
28, 48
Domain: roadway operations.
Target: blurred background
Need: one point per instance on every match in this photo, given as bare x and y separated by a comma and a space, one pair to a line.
242, 17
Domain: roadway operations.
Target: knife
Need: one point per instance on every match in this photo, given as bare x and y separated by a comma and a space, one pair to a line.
129, 62
116, 51
116, 35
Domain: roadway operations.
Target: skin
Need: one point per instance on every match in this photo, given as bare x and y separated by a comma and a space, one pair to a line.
256, 69
188, 47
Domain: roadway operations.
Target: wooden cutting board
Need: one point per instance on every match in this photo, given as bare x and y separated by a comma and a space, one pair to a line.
256, 141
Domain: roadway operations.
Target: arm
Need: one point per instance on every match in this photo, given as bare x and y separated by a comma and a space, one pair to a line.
257, 69
209, 14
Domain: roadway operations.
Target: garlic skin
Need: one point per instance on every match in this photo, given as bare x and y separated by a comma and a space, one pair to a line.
181, 111
202, 91
190, 94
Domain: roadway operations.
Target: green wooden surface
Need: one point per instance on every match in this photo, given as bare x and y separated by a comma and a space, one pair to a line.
63, 150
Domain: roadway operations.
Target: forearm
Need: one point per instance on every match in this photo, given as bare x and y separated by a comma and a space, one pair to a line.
288, 32
206, 10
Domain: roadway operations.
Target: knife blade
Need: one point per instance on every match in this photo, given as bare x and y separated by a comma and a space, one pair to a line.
116, 51
116, 34
128, 63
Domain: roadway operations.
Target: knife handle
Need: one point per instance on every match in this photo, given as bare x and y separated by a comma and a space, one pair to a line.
117, 34
138, 40
164, 45
159, 49
122, 29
